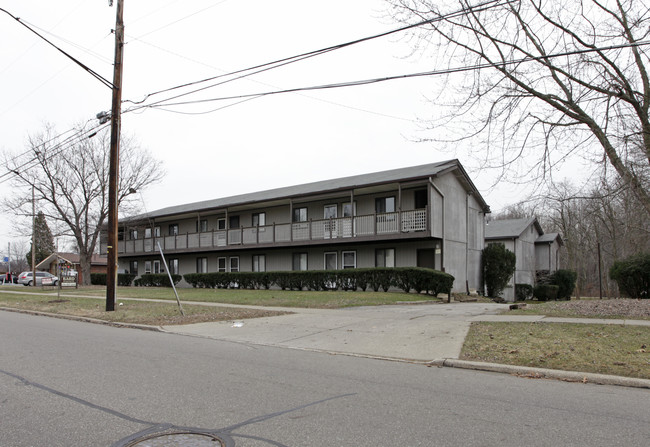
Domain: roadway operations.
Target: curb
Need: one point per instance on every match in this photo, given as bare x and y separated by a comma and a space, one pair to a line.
521, 371
543, 373
143, 327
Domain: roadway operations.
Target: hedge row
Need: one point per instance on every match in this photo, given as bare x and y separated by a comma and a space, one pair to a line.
156, 280
123, 279
407, 279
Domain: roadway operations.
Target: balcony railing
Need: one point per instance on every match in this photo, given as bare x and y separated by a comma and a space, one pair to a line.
341, 228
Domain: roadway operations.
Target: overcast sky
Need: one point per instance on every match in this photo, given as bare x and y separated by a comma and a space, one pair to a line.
263, 143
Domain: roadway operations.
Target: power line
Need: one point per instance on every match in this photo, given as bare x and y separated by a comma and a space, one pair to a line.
289, 60
88, 69
165, 103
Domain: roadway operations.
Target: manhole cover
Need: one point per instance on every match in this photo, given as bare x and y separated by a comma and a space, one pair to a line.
188, 439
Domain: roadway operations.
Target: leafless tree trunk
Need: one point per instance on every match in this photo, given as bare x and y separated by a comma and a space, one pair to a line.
70, 179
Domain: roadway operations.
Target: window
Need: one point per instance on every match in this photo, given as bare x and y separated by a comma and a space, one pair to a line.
348, 210
133, 233
259, 219
133, 268
385, 205
385, 257
147, 267
234, 264
300, 214
329, 212
201, 265
233, 222
201, 226
156, 231
221, 224
331, 261
349, 259
147, 233
156, 266
174, 268
173, 229
259, 263
221, 264
300, 261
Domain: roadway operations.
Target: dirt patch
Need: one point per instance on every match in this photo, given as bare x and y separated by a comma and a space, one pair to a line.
58, 301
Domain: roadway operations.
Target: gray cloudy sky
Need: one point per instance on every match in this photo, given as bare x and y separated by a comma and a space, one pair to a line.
259, 144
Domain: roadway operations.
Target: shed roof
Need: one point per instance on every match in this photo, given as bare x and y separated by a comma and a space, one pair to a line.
510, 228
549, 238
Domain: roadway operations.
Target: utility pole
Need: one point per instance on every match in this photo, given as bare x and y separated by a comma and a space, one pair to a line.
33, 237
114, 169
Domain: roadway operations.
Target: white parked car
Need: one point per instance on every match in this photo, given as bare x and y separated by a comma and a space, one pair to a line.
25, 278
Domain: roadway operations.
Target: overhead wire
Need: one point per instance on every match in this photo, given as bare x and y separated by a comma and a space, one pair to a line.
76, 61
56, 150
165, 103
256, 69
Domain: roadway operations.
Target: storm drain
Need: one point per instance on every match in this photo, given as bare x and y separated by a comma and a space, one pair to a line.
183, 439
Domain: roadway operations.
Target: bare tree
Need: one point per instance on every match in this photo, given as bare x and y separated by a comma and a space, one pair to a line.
70, 181
543, 79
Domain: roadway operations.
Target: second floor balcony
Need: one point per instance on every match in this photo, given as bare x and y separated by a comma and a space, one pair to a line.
401, 224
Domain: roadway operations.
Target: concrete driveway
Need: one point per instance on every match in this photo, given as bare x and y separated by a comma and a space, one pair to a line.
417, 332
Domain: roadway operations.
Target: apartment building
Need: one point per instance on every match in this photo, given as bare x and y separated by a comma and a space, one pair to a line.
429, 216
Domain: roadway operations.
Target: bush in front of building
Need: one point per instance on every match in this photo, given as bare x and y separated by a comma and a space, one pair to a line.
566, 282
523, 292
632, 275
545, 292
498, 267
405, 278
156, 280
123, 279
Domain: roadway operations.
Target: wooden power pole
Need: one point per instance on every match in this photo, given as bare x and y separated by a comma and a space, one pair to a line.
114, 168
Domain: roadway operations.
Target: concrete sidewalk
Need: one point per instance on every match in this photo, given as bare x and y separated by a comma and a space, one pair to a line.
413, 332
426, 333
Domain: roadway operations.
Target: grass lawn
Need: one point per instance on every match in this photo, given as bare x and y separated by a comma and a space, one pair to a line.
620, 309
282, 298
597, 348
136, 312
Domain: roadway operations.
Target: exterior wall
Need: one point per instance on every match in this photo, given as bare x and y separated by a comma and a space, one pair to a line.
462, 228
526, 257
547, 257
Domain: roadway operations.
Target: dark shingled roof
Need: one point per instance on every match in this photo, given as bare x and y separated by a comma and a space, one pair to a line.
548, 238
325, 186
510, 228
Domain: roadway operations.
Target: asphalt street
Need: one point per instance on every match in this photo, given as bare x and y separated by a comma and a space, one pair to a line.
69, 383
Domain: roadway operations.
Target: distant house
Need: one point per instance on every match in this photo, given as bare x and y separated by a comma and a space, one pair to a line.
56, 261
534, 250
429, 216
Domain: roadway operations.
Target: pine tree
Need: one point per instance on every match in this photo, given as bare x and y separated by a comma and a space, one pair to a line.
42, 238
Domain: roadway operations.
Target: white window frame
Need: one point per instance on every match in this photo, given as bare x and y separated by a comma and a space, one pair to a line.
336, 259
234, 263
156, 267
147, 267
220, 261
343, 260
